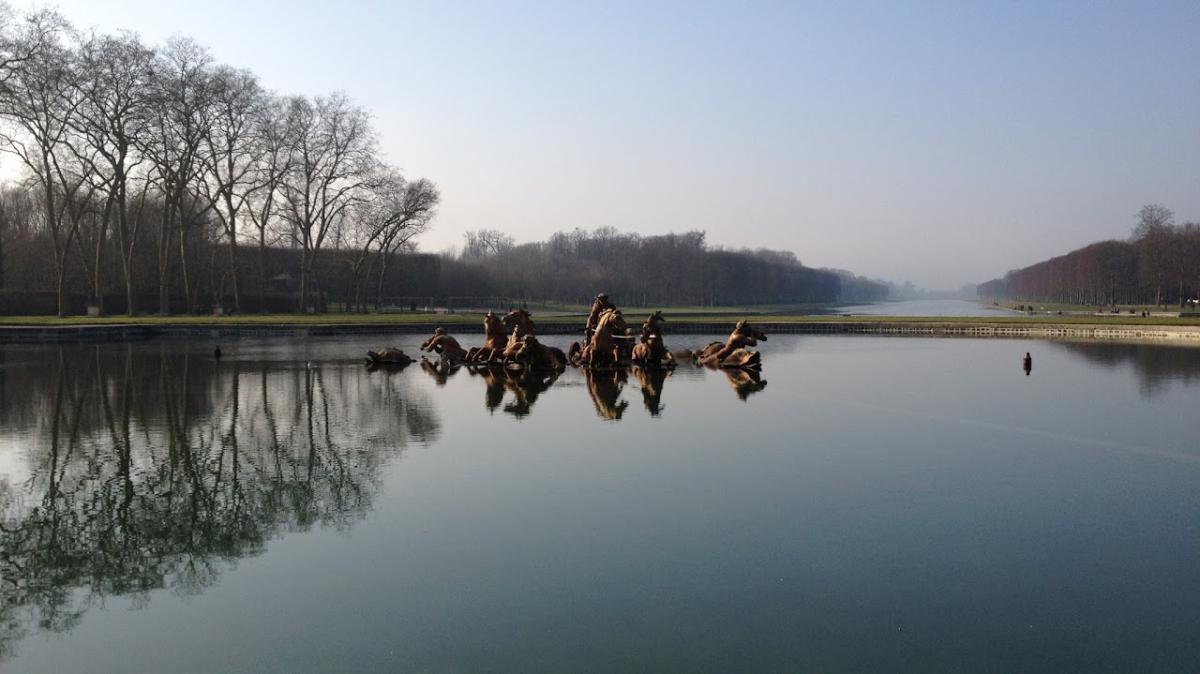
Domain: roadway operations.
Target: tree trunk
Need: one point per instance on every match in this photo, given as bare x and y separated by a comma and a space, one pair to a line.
183, 270
262, 271
62, 290
231, 228
164, 259
303, 280
123, 227
383, 267
127, 268
98, 260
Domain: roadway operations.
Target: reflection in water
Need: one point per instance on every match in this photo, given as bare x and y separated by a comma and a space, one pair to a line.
127, 471
604, 386
745, 382
651, 381
440, 370
1156, 365
526, 385
151, 469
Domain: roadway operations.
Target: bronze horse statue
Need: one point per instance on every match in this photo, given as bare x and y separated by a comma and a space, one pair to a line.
653, 324
605, 345
521, 324
533, 355
733, 352
495, 339
652, 353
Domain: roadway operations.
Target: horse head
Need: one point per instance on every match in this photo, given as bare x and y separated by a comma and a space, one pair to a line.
518, 319
492, 323
612, 322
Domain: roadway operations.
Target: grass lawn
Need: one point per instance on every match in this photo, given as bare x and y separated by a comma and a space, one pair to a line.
1090, 308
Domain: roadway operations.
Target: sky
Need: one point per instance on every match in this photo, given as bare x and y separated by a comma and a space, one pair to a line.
941, 143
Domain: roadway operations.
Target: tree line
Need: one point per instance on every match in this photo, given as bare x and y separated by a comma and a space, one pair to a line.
149, 168
155, 179
1159, 264
670, 269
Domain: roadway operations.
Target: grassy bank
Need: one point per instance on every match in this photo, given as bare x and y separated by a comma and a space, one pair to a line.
1090, 308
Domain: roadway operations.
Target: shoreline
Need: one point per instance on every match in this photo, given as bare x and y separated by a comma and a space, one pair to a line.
1100, 329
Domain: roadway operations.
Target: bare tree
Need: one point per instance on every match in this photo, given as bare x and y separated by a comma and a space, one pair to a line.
234, 154
332, 160
40, 103
273, 143
113, 79
181, 95
162, 164
485, 243
405, 214
385, 222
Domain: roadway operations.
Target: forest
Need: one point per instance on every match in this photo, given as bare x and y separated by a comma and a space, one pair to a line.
153, 179
1158, 265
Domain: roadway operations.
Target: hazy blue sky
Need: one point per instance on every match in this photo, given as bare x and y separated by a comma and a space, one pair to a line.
937, 142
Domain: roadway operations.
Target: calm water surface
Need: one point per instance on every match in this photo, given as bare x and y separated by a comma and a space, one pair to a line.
946, 308
872, 504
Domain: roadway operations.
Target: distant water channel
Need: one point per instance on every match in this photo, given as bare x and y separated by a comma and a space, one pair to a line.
870, 504
941, 308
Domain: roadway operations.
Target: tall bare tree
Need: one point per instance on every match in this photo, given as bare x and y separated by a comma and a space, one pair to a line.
181, 91
39, 104
332, 160
273, 143
234, 153
113, 77
405, 214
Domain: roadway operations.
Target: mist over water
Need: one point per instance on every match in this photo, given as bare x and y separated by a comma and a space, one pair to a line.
867, 504
936, 308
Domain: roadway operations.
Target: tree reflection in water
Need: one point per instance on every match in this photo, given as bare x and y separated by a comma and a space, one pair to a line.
1157, 365
154, 468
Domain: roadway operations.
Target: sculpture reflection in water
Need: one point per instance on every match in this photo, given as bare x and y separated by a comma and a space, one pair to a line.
652, 380
519, 363
152, 469
604, 385
525, 385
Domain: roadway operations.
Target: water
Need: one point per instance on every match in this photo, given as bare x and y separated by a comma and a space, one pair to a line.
880, 504
946, 308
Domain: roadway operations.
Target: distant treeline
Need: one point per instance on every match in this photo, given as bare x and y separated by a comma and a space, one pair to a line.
570, 267
672, 269
1159, 264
